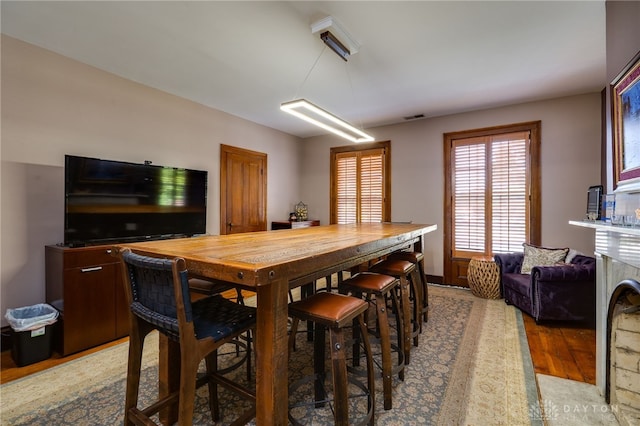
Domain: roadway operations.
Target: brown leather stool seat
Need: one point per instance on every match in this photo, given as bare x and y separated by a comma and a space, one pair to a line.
406, 272
334, 312
416, 258
382, 288
307, 290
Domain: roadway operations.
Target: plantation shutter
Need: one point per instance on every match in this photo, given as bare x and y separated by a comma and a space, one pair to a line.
371, 186
347, 190
510, 192
490, 194
360, 182
469, 197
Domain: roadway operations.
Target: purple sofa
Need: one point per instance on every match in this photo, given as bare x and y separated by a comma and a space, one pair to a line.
560, 293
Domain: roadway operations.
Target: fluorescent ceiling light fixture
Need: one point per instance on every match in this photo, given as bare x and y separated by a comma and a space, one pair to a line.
331, 24
335, 45
313, 114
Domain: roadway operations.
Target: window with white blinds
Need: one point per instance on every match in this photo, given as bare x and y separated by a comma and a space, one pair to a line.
469, 183
490, 200
347, 190
509, 193
359, 185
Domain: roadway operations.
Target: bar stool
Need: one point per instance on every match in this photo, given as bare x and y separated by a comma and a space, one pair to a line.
382, 288
405, 271
157, 292
334, 312
311, 288
200, 288
416, 258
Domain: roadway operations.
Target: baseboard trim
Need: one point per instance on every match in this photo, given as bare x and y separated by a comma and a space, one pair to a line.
435, 279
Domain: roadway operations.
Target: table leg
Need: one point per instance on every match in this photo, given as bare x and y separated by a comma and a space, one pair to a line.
271, 354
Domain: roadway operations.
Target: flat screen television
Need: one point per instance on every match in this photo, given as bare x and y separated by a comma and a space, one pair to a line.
113, 201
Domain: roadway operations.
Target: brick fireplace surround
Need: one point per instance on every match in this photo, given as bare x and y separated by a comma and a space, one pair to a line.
618, 318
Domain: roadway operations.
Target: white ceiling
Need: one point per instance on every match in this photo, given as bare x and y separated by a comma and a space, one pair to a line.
416, 57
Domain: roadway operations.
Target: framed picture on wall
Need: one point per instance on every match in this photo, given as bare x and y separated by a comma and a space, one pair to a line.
625, 99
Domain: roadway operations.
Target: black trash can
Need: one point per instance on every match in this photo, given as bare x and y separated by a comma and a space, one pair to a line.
32, 328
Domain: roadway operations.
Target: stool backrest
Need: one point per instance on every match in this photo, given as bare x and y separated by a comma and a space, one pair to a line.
157, 291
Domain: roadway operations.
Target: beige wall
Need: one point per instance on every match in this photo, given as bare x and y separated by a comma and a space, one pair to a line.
570, 164
52, 106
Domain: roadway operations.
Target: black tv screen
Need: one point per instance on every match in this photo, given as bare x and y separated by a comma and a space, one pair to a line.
111, 201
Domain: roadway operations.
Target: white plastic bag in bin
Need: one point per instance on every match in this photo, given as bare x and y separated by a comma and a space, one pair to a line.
31, 317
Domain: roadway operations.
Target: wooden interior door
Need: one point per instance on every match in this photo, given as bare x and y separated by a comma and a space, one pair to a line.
243, 190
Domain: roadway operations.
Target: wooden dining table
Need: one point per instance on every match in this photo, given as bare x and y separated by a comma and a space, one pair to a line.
270, 263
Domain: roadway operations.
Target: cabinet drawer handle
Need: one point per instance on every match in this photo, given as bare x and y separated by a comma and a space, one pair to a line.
95, 268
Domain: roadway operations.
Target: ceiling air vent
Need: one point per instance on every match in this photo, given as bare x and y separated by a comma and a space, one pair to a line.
414, 117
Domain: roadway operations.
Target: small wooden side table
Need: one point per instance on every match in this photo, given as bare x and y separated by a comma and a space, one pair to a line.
290, 224
483, 275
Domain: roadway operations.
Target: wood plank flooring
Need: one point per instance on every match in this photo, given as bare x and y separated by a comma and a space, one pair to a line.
561, 350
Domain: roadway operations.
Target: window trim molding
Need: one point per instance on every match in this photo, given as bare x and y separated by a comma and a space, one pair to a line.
386, 145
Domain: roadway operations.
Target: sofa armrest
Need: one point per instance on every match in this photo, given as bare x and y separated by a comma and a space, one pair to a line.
509, 263
564, 292
582, 260
563, 273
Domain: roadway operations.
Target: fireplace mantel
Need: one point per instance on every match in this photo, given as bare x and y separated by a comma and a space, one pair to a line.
602, 226
617, 251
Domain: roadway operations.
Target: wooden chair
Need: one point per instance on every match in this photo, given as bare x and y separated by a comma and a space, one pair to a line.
157, 292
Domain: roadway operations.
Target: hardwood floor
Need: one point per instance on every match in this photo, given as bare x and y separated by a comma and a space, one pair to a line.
561, 350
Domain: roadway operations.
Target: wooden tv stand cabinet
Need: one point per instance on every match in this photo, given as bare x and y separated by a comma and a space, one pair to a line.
85, 285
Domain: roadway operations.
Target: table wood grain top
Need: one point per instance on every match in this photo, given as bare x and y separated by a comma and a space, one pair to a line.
255, 258
270, 263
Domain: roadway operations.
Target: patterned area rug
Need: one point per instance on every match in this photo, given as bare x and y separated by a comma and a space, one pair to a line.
472, 367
